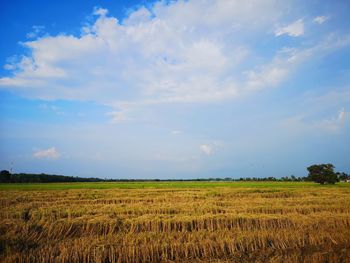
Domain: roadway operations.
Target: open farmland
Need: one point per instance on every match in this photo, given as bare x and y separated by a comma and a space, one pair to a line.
175, 222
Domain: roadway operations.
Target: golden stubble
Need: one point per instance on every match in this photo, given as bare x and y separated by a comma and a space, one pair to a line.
176, 225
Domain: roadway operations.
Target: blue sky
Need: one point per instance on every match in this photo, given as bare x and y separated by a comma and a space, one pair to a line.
174, 89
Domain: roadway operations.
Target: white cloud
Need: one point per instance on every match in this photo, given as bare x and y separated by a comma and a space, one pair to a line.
335, 98
175, 132
142, 15
52, 108
119, 116
206, 149
319, 114
332, 124
301, 124
294, 29
341, 115
166, 53
320, 19
50, 153
157, 54
100, 11
36, 31
267, 77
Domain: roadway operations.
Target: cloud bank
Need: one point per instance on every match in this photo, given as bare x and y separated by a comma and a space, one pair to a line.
170, 52
167, 53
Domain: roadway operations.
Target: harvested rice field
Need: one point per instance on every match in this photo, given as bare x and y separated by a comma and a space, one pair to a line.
175, 222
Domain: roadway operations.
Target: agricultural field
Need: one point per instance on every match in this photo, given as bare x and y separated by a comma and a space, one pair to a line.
175, 222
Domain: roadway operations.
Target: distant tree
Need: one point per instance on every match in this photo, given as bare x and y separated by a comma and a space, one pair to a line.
322, 173
5, 176
271, 178
343, 176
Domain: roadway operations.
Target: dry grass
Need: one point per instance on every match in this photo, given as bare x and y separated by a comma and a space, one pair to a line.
176, 225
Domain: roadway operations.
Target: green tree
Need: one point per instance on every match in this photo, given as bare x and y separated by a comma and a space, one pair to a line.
322, 173
5, 176
343, 176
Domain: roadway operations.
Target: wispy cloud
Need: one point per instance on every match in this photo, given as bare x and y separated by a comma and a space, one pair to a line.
100, 11
320, 19
119, 116
175, 132
37, 30
294, 29
323, 113
206, 149
52, 108
50, 153
341, 115
303, 124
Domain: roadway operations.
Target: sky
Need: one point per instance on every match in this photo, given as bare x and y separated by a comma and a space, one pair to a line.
174, 89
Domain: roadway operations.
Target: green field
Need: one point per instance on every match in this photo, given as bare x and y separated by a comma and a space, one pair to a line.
163, 185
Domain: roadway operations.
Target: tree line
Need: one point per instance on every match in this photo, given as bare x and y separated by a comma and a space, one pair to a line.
7, 177
319, 173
